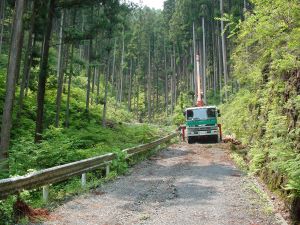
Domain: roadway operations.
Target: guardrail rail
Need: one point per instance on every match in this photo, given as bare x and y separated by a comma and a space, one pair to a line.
44, 178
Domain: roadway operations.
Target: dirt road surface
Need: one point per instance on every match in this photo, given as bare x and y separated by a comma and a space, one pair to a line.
184, 184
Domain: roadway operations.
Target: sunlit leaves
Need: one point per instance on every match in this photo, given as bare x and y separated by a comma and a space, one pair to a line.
265, 112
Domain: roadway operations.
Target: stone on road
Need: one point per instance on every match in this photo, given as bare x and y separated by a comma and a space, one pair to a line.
184, 184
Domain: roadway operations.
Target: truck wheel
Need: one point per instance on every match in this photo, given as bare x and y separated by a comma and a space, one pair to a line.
190, 140
216, 138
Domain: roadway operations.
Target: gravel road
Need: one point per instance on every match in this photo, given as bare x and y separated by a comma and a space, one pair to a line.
184, 184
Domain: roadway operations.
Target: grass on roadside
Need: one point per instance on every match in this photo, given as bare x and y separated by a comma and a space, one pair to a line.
64, 190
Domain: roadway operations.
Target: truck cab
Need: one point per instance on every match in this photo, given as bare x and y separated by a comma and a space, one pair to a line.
202, 122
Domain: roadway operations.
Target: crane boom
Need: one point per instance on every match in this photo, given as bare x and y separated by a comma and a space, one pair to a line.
199, 95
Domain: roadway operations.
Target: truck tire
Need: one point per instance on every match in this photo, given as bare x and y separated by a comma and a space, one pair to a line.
190, 140
216, 138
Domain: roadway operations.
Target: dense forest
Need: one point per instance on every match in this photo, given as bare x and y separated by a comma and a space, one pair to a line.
80, 78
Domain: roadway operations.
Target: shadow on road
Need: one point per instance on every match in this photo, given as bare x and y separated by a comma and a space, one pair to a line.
169, 176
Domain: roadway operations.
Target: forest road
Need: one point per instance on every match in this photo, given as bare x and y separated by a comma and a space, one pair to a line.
183, 184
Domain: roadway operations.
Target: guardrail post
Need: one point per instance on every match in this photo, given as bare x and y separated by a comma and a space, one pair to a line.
45, 193
107, 169
83, 180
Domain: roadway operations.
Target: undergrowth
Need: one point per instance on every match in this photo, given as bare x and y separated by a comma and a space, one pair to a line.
84, 138
128, 135
264, 114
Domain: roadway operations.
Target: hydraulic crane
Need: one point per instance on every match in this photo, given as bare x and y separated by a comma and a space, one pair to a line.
201, 121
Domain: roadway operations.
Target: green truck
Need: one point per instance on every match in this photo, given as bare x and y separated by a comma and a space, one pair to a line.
201, 122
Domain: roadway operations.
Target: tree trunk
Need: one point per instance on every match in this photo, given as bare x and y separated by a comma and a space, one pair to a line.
122, 68
2, 13
61, 46
220, 66
67, 122
195, 66
192, 82
66, 58
186, 74
29, 72
172, 83
98, 85
2, 7
157, 89
166, 80
130, 86
174, 79
204, 61
105, 92
113, 83
117, 84
114, 62
43, 73
214, 61
60, 69
149, 83
93, 84
224, 51
172, 100
12, 71
20, 53
81, 46
27, 57
137, 103
88, 87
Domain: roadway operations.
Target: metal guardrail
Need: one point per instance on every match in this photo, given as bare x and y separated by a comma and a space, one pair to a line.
63, 172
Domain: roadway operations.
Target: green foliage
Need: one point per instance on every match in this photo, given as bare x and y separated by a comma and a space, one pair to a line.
85, 137
2, 85
120, 165
61, 146
239, 116
6, 210
185, 100
178, 117
265, 112
239, 161
213, 98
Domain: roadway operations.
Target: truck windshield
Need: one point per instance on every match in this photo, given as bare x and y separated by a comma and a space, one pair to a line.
201, 114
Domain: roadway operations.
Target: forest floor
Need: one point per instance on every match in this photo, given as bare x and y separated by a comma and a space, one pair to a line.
183, 184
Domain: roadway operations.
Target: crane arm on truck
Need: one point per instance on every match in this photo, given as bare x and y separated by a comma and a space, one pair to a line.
201, 121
